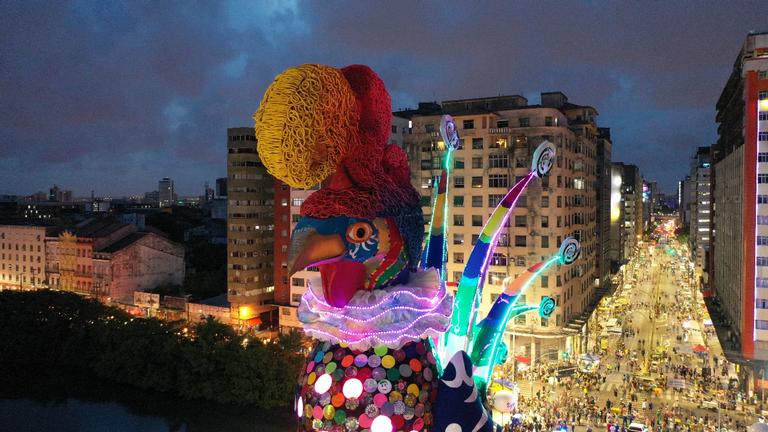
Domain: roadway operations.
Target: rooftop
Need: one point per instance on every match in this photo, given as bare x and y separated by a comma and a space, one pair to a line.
123, 242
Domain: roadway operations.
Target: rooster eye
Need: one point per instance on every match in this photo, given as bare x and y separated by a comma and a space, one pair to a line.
359, 232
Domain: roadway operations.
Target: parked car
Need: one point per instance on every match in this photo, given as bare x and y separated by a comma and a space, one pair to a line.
637, 427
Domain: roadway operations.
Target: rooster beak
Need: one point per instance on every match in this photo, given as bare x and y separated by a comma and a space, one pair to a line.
309, 248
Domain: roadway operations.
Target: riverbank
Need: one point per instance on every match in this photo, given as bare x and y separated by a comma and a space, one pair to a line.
70, 400
59, 331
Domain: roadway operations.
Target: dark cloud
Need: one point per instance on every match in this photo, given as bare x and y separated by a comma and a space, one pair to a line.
113, 96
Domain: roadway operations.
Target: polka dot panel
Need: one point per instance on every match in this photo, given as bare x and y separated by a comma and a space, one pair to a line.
396, 384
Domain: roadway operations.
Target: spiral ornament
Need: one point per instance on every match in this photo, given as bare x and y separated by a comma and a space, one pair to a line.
543, 159
546, 307
449, 132
570, 249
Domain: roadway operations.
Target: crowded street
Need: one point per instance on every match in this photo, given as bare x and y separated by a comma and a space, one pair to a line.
653, 362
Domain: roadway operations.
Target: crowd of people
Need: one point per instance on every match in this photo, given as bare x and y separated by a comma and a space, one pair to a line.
640, 367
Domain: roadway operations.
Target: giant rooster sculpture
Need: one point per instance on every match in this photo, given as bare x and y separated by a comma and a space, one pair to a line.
385, 340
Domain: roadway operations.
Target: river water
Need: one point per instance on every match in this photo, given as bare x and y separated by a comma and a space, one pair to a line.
73, 402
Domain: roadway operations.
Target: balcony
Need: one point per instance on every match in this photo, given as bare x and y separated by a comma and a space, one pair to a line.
499, 131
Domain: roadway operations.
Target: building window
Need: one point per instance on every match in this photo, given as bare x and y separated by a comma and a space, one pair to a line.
544, 322
426, 164
559, 202
762, 178
458, 163
477, 200
477, 161
477, 220
503, 240
458, 239
477, 181
544, 202
458, 200
761, 324
477, 143
545, 241
494, 200
498, 180
475, 238
458, 257
761, 303
469, 124
762, 199
525, 122
297, 282
521, 221
429, 128
547, 121
458, 182
426, 182
763, 95
499, 259
496, 278
761, 282
762, 220
763, 115
545, 281
545, 221
502, 123
456, 276
578, 183
520, 241
498, 161
520, 319
458, 220
762, 261
762, 136
762, 240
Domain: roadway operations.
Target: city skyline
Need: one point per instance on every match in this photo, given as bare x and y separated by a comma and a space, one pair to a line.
153, 90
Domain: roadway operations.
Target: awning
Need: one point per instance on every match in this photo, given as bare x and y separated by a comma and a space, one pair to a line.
700, 349
523, 359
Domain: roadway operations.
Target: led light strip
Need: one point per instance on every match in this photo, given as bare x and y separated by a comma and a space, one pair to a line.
342, 315
364, 335
442, 293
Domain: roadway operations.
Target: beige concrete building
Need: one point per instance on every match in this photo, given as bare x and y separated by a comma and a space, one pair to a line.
22, 256
99, 258
250, 227
138, 262
499, 135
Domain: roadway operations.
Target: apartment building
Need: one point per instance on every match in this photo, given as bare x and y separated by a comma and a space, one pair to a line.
739, 228
498, 137
701, 206
250, 229
22, 256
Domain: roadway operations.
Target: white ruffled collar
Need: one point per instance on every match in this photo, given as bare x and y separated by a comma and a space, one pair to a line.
391, 316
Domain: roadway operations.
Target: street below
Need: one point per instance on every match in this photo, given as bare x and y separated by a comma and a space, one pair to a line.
653, 362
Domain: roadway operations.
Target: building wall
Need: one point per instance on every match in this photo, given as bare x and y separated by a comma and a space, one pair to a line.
616, 248
603, 197
145, 264
250, 224
740, 255
561, 204
22, 257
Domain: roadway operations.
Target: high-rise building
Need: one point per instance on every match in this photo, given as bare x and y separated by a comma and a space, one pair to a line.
739, 233
499, 135
632, 207
701, 206
290, 286
617, 234
166, 192
250, 228
221, 187
603, 148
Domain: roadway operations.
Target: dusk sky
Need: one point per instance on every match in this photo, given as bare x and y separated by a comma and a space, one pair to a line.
113, 96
